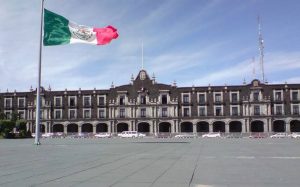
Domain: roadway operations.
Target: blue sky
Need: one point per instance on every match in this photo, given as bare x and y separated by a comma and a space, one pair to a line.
195, 42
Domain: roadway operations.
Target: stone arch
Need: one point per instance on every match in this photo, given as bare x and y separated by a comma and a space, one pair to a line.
58, 128
164, 127
87, 127
219, 126
235, 126
278, 126
295, 125
202, 126
186, 126
122, 127
257, 126
144, 127
72, 128
101, 127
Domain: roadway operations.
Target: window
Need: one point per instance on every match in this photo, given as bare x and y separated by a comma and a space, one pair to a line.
278, 96
122, 113
164, 112
164, 99
72, 114
202, 111
8, 114
122, 100
87, 113
101, 113
72, 101
143, 99
101, 100
21, 102
186, 112
143, 112
201, 98
234, 97
57, 114
218, 111
234, 111
86, 101
294, 95
8, 102
278, 109
21, 114
257, 110
218, 97
186, 98
295, 109
58, 101
256, 96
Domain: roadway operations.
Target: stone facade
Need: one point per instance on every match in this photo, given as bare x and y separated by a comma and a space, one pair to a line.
151, 107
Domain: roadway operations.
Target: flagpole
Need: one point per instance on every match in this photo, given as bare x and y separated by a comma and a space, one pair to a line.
38, 91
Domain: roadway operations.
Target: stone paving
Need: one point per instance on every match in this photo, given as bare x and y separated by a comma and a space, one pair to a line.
150, 162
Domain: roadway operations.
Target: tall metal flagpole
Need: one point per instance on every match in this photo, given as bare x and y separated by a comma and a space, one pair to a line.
38, 97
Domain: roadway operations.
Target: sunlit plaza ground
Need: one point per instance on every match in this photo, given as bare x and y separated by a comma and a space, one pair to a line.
150, 162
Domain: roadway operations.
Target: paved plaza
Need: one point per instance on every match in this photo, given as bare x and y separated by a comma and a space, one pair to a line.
150, 162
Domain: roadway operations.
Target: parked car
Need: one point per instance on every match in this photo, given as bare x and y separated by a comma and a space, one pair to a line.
295, 135
279, 135
184, 136
212, 135
131, 134
103, 135
47, 135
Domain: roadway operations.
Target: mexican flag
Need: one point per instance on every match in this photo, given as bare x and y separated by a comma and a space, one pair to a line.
59, 30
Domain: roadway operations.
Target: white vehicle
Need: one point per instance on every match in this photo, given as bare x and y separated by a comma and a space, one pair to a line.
295, 135
212, 135
184, 136
131, 134
47, 135
103, 135
279, 135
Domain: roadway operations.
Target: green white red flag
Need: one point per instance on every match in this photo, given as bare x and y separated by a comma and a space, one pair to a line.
58, 30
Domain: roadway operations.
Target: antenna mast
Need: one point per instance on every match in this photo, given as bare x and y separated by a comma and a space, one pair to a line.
142, 55
261, 49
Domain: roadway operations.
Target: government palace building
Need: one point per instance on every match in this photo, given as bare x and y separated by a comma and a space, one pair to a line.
150, 107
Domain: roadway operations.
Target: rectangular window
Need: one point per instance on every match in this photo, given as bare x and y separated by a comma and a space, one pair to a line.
278, 110
101, 113
295, 109
164, 99
278, 96
218, 111
186, 98
295, 96
164, 112
8, 102
72, 114
101, 100
218, 97
122, 100
57, 114
257, 110
234, 97
143, 112
72, 101
122, 113
201, 98
57, 101
256, 96
143, 99
186, 112
21, 102
87, 113
202, 111
234, 111
7, 114
86, 101
21, 114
